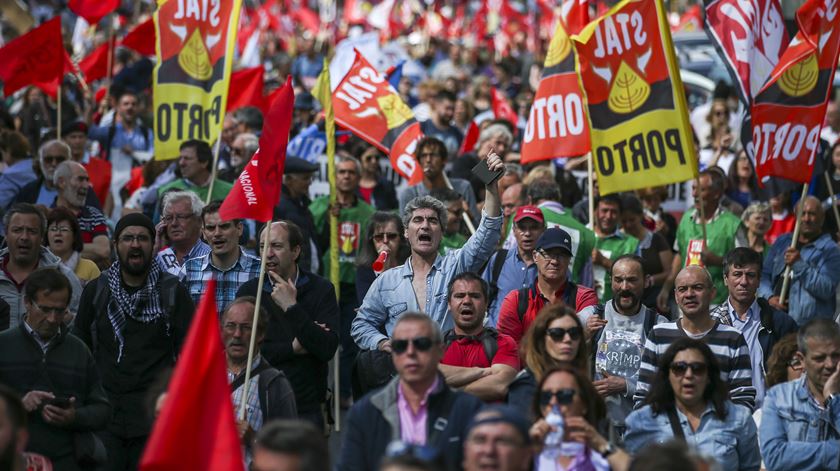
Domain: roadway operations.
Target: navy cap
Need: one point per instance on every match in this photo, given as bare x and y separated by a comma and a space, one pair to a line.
501, 414
304, 101
296, 165
554, 238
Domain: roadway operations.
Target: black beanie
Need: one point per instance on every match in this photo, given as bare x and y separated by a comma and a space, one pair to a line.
134, 219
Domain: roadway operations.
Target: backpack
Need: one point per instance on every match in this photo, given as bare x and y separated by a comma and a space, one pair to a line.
569, 297
267, 375
498, 263
489, 341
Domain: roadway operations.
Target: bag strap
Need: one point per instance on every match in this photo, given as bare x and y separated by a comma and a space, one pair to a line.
263, 386
498, 264
524, 299
436, 428
240, 380
676, 428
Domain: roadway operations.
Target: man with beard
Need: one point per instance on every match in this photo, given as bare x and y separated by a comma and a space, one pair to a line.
179, 230
53, 371
270, 395
815, 268
134, 319
439, 125
26, 229
71, 180
610, 243
618, 330
477, 359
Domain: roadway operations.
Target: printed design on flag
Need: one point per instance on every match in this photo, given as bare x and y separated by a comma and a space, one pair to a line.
801, 78
348, 240
619, 353
559, 50
628, 92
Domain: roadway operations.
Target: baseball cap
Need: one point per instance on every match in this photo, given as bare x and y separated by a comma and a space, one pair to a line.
532, 212
554, 238
501, 414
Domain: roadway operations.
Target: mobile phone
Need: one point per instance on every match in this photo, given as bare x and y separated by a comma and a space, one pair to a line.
61, 401
483, 172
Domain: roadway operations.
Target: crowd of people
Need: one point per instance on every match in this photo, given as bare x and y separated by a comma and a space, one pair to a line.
504, 325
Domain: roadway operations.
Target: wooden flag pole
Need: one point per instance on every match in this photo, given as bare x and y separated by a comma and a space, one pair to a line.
58, 110
464, 215
110, 57
213, 169
702, 207
591, 188
833, 202
786, 276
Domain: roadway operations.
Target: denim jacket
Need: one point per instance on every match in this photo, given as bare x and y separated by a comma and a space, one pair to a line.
733, 441
392, 294
814, 281
795, 432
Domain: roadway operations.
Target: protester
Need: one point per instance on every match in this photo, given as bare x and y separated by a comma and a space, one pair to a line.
453, 236
18, 172
688, 401
243, 147
439, 125
72, 185
177, 235
384, 233
290, 445
756, 220
134, 319
41, 190
374, 188
64, 239
656, 218
194, 163
497, 438
610, 243
54, 372
294, 207
653, 248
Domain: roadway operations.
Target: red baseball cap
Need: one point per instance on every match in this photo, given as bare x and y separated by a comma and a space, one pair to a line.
532, 212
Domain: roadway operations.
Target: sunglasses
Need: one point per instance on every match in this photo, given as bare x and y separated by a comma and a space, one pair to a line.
679, 368
385, 236
558, 333
562, 396
400, 346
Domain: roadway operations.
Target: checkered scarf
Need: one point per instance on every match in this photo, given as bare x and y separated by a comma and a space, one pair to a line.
143, 306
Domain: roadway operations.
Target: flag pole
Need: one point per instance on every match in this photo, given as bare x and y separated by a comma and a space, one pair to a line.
58, 111
464, 215
786, 277
213, 169
701, 205
109, 62
257, 304
591, 189
833, 202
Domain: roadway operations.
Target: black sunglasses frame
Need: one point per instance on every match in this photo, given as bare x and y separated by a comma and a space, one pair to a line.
559, 333
680, 368
562, 396
421, 344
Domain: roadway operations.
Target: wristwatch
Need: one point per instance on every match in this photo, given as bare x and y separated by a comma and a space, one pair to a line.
608, 450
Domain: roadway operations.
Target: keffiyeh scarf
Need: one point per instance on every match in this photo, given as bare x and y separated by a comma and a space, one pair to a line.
143, 306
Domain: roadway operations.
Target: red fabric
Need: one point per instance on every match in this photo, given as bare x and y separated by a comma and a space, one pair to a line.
99, 171
37, 57
470, 139
306, 18
353, 13
469, 353
196, 428
509, 323
94, 66
257, 190
136, 180
779, 227
141, 38
246, 89
578, 16
366, 193
93, 10
502, 108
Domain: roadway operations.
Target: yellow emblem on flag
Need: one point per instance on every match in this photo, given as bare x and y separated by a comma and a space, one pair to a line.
801, 78
559, 48
629, 91
194, 59
395, 110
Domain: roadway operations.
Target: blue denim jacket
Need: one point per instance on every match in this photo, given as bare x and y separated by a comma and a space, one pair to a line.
392, 294
795, 433
814, 281
732, 442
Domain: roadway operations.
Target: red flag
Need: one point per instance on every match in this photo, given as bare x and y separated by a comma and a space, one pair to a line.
577, 17
196, 428
691, 20
93, 10
141, 38
34, 58
257, 190
94, 66
246, 88
353, 13
470, 138
502, 108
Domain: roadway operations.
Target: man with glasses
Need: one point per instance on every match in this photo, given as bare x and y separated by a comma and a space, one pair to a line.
134, 318
177, 235
552, 254
294, 206
53, 371
243, 148
43, 190
73, 185
416, 407
510, 270
694, 292
227, 261
26, 229
270, 395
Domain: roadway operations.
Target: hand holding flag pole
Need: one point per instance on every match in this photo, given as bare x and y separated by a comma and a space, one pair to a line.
786, 276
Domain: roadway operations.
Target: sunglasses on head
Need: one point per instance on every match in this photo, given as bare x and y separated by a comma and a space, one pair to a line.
679, 368
400, 346
562, 396
558, 333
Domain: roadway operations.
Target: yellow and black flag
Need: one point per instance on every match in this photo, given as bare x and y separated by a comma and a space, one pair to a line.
635, 99
195, 42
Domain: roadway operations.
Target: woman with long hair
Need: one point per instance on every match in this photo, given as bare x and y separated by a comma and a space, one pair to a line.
689, 401
384, 234
374, 188
743, 184
555, 336
566, 390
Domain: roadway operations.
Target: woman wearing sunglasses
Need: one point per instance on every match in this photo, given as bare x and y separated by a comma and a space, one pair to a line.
567, 390
555, 336
689, 402
384, 233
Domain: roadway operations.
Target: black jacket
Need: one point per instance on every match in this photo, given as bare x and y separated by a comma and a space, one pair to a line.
66, 369
297, 211
384, 196
316, 302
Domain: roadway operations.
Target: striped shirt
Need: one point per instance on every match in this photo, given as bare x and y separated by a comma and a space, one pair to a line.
726, 343
196, 273
92, 223
253, 412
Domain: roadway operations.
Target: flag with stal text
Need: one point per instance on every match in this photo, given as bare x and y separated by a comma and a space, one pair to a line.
93, 10
788, 112
257, 190
37, 57
196, 428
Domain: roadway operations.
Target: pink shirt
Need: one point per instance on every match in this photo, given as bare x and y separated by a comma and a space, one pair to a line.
413, 426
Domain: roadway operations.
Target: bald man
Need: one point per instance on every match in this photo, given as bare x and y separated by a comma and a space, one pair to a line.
694, 291
815, 268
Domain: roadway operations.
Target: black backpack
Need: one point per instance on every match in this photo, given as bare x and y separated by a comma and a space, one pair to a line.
569, 297
498, 263
489, 340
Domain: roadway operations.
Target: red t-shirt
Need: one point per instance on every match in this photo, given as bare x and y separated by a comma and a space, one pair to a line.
509, 323
367, 194
470, 353
779, 227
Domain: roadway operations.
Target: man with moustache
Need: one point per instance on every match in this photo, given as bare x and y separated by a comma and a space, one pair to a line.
476, 359
72, 182
134, 318
618, 330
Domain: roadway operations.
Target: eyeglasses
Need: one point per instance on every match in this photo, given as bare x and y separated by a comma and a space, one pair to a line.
679, 368
59, 311
558, 333
385, 236
556, 256
400, 346
233, 326
795, 363
562, 396
180, 217
129, 239
237, 151
53, 159
60, 229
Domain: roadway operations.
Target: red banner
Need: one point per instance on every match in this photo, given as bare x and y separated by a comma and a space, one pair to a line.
788, 113
246, 89
93, 10
38, 57
366, 104
141, 38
